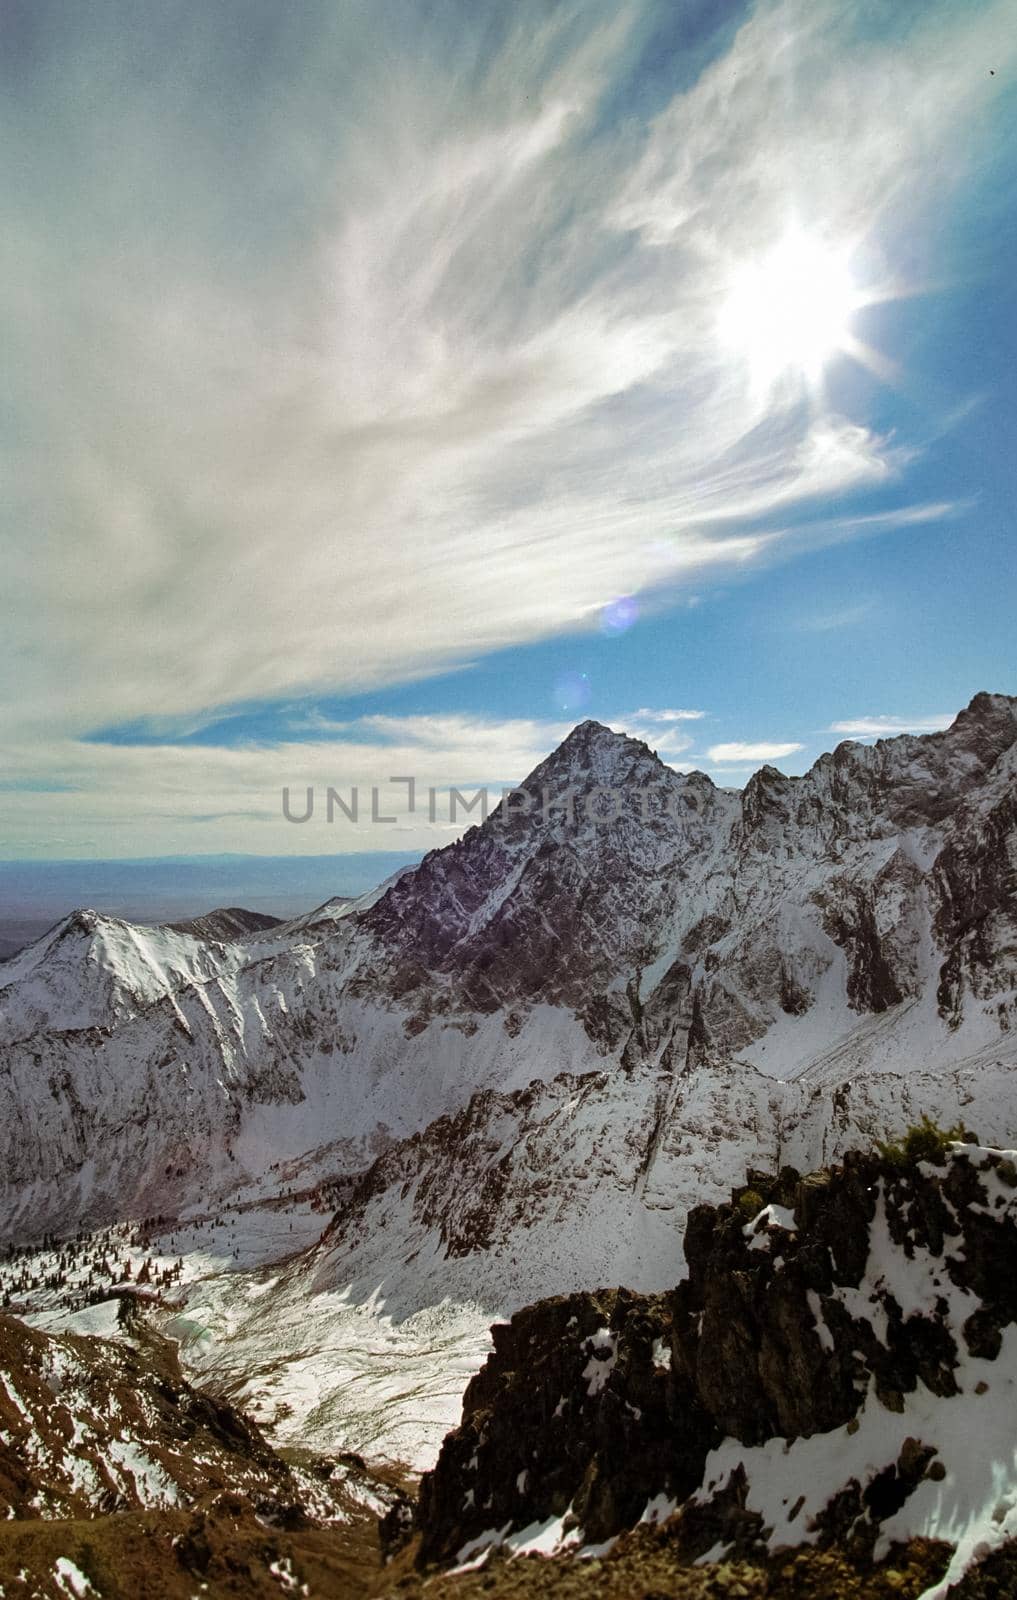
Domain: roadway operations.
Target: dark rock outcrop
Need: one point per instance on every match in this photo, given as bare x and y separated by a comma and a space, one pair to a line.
572, 1413
226, 924
592, 1405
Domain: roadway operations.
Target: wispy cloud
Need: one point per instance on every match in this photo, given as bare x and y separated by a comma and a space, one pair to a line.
737, 751
356, 347
646, 715
849, 616
663, 730
886, 727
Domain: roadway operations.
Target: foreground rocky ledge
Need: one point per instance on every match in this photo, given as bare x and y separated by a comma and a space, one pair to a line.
839, 1371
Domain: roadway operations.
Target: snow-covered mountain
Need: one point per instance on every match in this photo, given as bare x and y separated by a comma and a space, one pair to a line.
616, 918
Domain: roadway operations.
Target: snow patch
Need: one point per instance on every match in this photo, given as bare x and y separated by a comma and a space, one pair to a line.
71, 1580
603, 1346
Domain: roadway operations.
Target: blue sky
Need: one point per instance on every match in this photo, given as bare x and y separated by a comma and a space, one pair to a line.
393, 387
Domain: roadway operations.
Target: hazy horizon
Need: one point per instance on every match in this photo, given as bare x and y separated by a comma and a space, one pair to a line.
36, 894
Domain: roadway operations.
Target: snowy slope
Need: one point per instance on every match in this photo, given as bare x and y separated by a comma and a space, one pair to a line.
367, 1338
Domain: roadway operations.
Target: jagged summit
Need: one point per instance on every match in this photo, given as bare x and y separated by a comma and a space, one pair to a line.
986, 727
979, 734
590, 731
910, 780
594, 755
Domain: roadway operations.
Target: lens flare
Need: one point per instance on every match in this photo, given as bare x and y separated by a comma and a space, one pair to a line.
619, 615
572, 691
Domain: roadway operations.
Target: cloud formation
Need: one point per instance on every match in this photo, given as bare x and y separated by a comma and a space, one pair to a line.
888, 727
668, 715
348, 346
737, 751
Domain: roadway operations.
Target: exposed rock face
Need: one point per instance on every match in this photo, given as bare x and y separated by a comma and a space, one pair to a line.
571, 1414
547, 902
90, 1426
859, 1303
976, 925
749, 1340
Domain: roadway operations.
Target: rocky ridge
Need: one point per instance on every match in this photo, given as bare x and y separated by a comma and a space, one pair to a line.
837, 1371
862, 917
592, 1177
227, 923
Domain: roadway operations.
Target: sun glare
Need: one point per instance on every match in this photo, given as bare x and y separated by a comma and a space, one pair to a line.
789, 312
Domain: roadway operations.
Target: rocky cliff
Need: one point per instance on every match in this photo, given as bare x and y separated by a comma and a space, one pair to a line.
838, 1370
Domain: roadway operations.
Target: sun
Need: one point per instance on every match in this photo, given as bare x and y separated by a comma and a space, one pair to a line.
789, 312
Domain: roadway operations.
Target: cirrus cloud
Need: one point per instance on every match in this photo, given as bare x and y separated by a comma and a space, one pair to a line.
737, 751
888, 727
348, 350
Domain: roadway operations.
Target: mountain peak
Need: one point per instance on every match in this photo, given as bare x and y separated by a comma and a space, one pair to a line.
986, 727
590, 735
76, 931
592, 756
90, 966
985, 704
